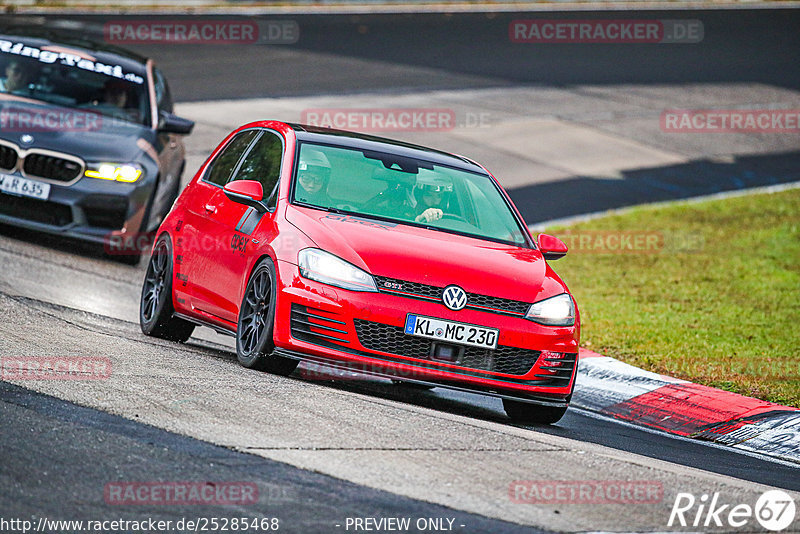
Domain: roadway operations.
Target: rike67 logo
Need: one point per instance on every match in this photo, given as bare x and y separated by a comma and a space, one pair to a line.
774, 511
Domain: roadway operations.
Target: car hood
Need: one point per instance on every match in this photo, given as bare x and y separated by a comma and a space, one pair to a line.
430, 257
72, 131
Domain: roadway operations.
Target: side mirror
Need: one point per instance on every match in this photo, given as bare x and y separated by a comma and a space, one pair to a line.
552, 248
247, 192
169, 123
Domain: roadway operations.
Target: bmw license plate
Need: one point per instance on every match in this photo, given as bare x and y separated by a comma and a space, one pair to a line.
24, 187
461, 333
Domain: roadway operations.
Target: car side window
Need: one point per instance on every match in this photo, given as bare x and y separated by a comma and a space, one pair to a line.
163, 96
224, 164
263, 164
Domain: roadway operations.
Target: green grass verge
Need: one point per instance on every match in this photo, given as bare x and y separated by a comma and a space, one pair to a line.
710, 292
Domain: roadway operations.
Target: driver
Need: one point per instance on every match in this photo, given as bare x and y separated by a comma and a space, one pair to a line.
18, 76
313, 174
432, 193
115, 93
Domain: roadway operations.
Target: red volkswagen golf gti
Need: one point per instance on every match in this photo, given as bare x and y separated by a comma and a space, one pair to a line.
366, 254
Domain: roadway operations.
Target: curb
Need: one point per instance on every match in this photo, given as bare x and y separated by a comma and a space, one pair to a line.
615, 389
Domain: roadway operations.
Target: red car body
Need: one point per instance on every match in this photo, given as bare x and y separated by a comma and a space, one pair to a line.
217, 242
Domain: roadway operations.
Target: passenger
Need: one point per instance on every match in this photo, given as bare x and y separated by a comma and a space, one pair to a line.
313, 174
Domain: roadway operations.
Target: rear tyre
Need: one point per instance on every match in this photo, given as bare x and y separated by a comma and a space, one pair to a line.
254, 341
155, 307
532, 414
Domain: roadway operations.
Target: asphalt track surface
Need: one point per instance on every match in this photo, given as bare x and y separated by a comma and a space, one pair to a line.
58, 455
77, 448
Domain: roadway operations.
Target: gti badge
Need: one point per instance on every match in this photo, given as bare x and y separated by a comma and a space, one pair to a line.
26, 139
454, 298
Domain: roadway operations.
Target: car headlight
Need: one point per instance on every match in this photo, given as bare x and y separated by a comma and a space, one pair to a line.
555, 311
120, 172
316, 264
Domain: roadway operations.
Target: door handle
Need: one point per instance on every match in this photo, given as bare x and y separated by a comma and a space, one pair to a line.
210, 208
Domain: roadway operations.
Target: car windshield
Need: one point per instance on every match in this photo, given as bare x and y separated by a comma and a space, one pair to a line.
71, 84
404, 190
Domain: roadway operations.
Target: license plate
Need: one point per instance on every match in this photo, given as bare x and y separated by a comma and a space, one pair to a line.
461, 333
17, 185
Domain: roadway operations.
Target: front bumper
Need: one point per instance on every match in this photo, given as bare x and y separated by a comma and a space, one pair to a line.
89, 209
364, 332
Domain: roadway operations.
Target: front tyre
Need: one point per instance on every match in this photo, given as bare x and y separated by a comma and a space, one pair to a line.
532, 414
155, 307
254, 342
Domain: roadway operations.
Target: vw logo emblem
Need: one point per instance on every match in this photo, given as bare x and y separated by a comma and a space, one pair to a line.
454, 298
26, 139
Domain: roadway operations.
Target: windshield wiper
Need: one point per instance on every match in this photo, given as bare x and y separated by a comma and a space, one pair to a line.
340, 211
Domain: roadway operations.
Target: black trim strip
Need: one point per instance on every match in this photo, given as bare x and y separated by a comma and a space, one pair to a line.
533, 399
316, 325
432, 366
247, 224
296, 309
301, 330
434, 299
201, 322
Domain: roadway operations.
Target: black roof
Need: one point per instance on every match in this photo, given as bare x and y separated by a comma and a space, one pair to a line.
361, 141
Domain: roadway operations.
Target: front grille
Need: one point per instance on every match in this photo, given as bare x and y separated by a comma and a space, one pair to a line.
316, 326
32, 209
475, 301
393, 340
51, 167
8, 157
105, 211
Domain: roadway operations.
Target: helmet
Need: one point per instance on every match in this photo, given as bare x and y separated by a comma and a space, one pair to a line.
433, 182
315, 161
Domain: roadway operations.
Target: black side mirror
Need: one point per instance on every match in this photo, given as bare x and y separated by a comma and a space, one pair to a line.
247, 192
170, 123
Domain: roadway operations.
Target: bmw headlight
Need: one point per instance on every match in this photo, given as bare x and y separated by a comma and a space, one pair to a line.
555, 311
120, 172
316, 264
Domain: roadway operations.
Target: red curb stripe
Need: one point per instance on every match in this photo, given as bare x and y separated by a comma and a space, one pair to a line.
586, 353
685, 408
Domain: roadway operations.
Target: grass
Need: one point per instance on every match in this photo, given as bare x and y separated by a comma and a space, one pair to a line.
712, 294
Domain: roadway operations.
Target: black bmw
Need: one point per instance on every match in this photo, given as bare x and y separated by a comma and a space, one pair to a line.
89, 146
